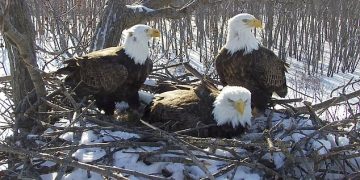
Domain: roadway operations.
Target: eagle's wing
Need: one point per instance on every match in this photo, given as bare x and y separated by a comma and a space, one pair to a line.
73, 63
173, 105
269, 70
220, 67
97, 71
103, 75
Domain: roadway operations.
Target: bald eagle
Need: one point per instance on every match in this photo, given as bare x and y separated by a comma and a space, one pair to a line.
244, 62
115, 73
228, 110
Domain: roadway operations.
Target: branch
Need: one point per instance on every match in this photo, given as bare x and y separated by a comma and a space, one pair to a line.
285, 101
329, 102
5, 78
115, 144
15, 36
173, 13
103, 170
166, 67
197, 74
155, 4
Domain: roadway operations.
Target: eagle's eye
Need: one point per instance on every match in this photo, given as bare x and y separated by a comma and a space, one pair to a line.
146, 30
231, 101
246, 101
245, 20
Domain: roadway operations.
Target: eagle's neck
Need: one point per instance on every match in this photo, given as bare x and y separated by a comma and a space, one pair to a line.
241, 40
137, 49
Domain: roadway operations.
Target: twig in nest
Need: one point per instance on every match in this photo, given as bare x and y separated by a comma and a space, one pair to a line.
117, 127
74, 120
117, 144
205, 142
170, 159
223, 170
32, 108
194, 129
317, 121
54, 106
174, 140
131, 172
59, 160
269, 119
101, 169
71, 99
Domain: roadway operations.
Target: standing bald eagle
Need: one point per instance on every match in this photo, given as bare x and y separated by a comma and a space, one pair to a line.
229, 109
115, 73
243, 62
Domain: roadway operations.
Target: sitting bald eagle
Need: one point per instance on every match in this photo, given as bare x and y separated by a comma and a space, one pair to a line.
229, 110
244, 62
115, 73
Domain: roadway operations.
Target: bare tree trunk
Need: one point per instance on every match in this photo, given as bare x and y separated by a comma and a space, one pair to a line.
109, 29
19, 32
269, 6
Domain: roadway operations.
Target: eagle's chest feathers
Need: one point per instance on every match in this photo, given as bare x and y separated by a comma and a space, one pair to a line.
136, 49
236, 66
137, 71
241, 41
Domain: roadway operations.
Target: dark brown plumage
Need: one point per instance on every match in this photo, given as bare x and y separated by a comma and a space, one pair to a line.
109, 75
244, 62
260, 71
189, 108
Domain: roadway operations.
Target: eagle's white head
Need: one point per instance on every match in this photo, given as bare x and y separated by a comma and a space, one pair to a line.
240, 36
136, 42
233, 105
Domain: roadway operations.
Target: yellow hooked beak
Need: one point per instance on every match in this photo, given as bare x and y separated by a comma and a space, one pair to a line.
154, 33
255, 23
240, 106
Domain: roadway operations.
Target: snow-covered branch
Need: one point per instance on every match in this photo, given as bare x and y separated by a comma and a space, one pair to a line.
119, 16
176, 13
